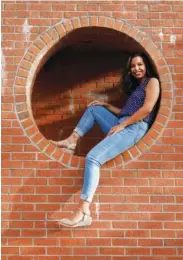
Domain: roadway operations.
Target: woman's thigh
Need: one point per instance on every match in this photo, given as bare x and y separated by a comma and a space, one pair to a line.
104, 118
115, 144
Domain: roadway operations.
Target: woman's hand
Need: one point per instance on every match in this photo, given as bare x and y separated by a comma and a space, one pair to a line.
96, 102
117, 128
111, 108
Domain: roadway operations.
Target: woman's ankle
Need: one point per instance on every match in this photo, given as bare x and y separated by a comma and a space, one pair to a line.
74, 137
85, 206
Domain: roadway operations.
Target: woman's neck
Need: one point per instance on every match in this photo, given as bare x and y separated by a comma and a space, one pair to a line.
140, 81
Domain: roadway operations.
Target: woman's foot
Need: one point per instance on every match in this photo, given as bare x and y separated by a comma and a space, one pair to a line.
78, 219
68, 143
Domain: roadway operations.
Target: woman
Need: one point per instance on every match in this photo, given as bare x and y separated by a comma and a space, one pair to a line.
123, 128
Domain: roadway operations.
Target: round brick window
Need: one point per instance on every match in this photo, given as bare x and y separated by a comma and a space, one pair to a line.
70, 65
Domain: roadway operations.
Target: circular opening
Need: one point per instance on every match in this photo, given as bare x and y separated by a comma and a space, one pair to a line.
87, 65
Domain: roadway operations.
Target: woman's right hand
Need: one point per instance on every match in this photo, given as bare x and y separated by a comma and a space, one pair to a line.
96, 102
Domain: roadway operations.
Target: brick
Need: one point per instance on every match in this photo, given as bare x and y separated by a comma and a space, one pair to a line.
34, 198
35, 164
126, 156
11, 181
66, 158
8, 115
25, 65
30, 250
20, 139
125, 225
124, 242
138, 251
162, 199
150, 225
163, 233
23, 207
33, 215
110, 7
75, 23
84, 21
46, 257
150, 190
11, 164
149, 208
177, 225
141, 146
118, 160
20, 191
9, 250
150, 242
151, 258
72, 242
124, 257
137, 165
93, 21
53, 34
137, 233
161, 182
68, 26
164, 251
35, 181
11, 233
59, 251
162, 165
136, 198
111, 251
134, 151
29, 57
32, 233
43, 144
74, 161
172, 208
96, 258
19, 258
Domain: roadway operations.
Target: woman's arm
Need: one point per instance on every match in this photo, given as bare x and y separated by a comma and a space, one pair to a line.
152, 94
111, 108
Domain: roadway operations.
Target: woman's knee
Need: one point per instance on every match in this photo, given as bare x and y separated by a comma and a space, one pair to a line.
96, 108
92, 159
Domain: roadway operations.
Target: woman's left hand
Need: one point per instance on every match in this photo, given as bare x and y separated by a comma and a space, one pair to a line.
116, 129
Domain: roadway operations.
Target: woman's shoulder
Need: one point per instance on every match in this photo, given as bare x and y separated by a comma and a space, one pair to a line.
154, 80
153, 84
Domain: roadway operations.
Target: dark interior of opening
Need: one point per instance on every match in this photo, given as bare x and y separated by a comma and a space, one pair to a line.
86, 66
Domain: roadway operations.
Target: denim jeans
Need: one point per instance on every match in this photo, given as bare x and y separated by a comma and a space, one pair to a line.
109, 147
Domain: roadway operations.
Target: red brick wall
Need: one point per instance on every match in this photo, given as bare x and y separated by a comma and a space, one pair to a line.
137, 209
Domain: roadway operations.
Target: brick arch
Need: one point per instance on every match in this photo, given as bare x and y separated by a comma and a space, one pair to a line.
44, 46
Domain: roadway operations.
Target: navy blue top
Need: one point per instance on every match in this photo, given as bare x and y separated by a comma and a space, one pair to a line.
136, 101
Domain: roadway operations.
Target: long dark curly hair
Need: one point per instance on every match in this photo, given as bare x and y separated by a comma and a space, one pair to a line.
129, 82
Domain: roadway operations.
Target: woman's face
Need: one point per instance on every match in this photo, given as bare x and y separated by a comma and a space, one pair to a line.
138, 68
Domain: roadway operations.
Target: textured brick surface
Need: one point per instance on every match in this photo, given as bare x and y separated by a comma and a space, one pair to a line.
137, 210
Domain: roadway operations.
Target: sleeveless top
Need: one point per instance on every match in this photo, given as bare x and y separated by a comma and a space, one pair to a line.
136, 101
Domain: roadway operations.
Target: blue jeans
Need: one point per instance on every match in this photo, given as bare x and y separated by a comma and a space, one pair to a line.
109, 147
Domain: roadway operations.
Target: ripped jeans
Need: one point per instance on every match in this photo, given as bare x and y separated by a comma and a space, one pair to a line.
109, 147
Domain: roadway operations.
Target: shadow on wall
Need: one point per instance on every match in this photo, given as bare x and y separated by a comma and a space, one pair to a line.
71, 79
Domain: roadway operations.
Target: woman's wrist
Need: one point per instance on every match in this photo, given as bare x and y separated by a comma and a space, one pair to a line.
124, 124
106, 105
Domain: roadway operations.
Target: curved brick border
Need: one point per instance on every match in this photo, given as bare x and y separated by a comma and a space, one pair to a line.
43, 47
